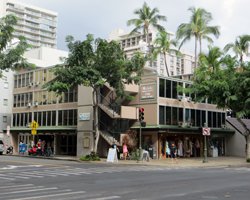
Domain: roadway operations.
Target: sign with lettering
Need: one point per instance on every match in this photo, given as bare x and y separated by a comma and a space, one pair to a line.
112, 155
84, 116
148, 91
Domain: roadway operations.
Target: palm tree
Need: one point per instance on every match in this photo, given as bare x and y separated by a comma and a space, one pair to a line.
163, 46
197, 28
146, 17
240, 46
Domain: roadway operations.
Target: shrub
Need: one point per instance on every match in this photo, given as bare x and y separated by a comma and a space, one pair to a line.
90, 157
248, 160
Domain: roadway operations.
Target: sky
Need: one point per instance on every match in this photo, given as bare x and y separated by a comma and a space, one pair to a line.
99, 17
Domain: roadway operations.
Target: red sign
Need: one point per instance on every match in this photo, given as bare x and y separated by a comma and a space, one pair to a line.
205, 131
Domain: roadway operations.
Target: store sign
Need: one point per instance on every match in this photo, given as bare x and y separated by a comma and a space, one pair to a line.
147, 91
206, 131
84, 116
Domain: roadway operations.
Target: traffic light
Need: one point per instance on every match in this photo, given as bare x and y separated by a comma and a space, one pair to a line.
141, 114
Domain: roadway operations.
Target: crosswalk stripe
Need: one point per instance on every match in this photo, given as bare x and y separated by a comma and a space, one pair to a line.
6, 178
33, 190
10, 186
51, 195
106, 198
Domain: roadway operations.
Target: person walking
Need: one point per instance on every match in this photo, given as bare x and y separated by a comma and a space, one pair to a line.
125, 151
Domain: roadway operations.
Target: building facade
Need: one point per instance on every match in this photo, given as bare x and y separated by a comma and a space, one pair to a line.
38, 25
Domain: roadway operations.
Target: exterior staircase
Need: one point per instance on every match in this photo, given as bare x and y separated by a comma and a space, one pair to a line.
108, 138
109, 111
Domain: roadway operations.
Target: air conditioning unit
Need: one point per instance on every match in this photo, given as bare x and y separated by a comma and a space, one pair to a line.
37, 83
179, 97
36, 103
29, 105
180, 124
189, 99
30, 84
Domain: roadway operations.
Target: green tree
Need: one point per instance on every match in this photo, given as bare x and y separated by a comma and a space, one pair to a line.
146, 17
198, 27
240, 46
164, 45
92, 63
221, 80
11, 54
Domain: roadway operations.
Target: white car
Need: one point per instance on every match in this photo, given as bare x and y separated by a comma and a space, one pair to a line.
1, 147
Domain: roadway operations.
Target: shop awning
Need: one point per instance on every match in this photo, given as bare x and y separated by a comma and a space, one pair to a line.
43, 129
179, 130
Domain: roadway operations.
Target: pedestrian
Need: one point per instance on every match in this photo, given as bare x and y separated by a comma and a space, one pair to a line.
167, 150
125, 151
173, 152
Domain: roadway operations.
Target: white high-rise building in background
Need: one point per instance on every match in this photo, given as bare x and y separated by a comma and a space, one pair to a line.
177, 65
38, 25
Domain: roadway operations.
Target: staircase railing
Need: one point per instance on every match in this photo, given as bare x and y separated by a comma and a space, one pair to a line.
110, 103
104, 127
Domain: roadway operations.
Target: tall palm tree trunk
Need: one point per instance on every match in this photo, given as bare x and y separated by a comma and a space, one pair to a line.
195, 53
200, 46
166, 65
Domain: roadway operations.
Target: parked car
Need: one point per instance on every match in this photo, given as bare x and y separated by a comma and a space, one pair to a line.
1, 147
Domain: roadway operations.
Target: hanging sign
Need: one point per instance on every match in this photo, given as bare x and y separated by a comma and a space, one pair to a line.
206, 131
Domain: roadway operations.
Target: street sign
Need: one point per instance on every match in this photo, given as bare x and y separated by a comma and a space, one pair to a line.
33, 132
206, 131
34, 125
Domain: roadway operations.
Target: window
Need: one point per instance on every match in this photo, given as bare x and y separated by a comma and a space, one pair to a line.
4, 119
6, 85
5, 102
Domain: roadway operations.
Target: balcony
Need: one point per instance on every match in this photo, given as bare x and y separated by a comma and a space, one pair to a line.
131, 88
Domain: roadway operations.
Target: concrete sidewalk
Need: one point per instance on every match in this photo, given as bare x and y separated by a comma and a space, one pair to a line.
181, 162
193, 162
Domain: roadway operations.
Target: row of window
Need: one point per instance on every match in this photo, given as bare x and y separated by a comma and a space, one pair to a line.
46, 118
27, 79
175, 116
43, 98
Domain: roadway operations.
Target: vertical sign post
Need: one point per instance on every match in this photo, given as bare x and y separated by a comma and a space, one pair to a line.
206, 132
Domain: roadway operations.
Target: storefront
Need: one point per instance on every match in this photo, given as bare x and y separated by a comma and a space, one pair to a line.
189, 141
62, 141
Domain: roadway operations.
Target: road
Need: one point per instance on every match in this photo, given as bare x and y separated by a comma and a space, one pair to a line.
27, 178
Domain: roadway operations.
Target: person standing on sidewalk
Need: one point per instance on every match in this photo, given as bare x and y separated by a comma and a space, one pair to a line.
125, 151
173, 151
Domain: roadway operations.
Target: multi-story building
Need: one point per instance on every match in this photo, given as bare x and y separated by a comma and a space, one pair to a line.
183, 63
12, 82
38, 25
171, 116
6, 87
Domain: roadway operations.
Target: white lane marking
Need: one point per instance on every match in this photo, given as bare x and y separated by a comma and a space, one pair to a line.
10, 186
50, 195
7, 178
55, 173
23, 191
19, 166
106, 198
30, 175
23, 188
16, 176
41, 173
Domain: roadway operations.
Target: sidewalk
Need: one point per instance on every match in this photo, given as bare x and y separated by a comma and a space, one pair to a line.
181, 162
193, 162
